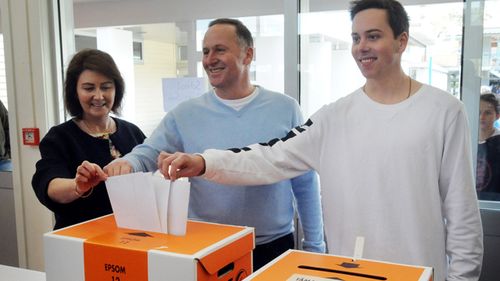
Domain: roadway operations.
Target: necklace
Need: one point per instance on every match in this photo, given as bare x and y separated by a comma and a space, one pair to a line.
98, 132
105, 135
409, 88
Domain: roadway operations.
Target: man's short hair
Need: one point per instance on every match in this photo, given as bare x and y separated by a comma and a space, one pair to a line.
242, 32
491, 99
396, 14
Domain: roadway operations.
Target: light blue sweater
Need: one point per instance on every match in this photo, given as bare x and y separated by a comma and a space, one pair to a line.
205, 122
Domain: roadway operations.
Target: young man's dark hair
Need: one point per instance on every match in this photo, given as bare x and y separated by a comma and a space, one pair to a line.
491, 99
396, 14
242, 32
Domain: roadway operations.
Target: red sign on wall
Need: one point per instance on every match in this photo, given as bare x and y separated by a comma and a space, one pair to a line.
31, 136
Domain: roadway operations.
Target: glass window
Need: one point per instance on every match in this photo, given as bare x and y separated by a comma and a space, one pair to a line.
3, 79
488, 150
159, 56
5, 150
267, 66
328, 71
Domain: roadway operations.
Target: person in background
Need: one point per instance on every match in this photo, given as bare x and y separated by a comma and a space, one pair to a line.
235, 113
93, 89
488, 151
5, 162
489, 112
393, 157
495, 89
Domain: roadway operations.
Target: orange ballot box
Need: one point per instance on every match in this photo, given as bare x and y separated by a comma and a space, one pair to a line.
99, 251
296, 265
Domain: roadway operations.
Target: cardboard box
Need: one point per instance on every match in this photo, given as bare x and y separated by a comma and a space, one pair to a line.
305, 266
99, 251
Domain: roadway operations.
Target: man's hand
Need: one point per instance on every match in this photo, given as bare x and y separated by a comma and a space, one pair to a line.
88, 175
118, 167
178, 165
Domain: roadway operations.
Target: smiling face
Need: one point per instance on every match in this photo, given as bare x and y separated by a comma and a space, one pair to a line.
225, 60
375, 50
96, 94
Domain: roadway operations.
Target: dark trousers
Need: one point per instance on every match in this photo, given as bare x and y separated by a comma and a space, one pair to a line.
262, 254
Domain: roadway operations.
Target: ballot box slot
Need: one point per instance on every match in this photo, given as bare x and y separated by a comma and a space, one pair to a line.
368, 276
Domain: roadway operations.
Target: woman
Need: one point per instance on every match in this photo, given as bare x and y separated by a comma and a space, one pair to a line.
488, 152
93, 89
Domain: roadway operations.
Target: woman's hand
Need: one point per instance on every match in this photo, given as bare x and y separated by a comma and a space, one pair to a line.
88, 175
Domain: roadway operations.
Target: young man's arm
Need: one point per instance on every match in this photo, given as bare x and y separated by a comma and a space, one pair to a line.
464, 242
265, 163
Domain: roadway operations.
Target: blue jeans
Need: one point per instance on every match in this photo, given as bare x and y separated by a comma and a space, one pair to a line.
6, 165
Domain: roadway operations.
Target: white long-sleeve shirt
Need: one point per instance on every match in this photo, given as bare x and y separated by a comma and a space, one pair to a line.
400, 175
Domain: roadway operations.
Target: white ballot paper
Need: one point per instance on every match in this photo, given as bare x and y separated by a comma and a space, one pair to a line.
149, 202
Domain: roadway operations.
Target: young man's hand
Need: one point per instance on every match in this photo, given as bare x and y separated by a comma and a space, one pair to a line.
178, 165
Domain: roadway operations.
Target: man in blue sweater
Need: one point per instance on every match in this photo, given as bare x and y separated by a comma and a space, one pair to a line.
235, 114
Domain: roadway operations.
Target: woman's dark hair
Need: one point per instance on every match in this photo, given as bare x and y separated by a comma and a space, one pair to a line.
491, 99
94, 60
396, 14
242, 32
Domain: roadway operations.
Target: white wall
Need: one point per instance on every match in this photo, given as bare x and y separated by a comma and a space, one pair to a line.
347, 71
103, 13
98, 13
3, 82
29, 60
269, 66
118, 43
316, 76
159, 62
325, 66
